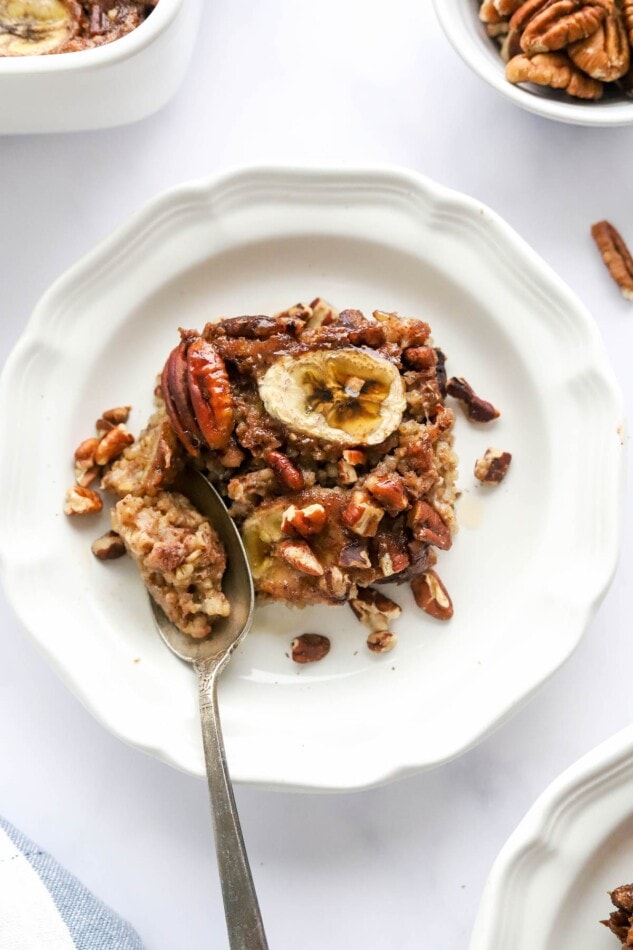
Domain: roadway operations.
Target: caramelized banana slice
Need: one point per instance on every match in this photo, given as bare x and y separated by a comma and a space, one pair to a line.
351, 396
31, 27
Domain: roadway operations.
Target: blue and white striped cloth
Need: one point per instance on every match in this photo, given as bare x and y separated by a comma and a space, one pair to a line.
43, 907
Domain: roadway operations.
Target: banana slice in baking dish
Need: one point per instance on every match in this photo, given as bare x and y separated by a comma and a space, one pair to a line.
347, 396
29, 27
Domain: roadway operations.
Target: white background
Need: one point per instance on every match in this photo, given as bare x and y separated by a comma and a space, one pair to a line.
403, 866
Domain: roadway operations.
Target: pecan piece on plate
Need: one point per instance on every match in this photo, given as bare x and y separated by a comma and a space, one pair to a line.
310, 647
431, 595
493, 466
82, 501
620, 921
615, 255
381, 641
555, 70
562, 22
373, 609
476, 408
606, 54
108, 547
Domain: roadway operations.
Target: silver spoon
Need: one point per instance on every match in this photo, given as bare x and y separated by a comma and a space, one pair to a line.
209, 657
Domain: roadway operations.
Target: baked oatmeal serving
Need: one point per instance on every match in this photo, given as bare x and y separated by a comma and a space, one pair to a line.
328, 437
34, 27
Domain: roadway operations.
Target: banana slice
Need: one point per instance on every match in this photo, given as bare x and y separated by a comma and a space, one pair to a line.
29, 27
352, 397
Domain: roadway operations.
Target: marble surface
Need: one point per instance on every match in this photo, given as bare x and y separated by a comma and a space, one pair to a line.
400, 867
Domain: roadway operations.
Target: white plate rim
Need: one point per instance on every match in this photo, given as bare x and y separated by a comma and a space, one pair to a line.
304, 179
541, 833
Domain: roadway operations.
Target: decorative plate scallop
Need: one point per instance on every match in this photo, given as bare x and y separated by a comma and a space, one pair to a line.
256, 240
548, 887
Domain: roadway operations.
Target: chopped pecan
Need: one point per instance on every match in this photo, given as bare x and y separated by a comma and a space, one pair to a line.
309, 647
85, 468
620, 921
431, 595
493, 466
606, 54
108, 547
389, 551
102, 426
361, 516
476, 408
389, 490
306, 521
337, 584
421, 556
117, 415
287, 474
82, 501
615, 255
373, 609
300, 555
555, 70
354, 555
322, 314
346, 473
232, 456
420, 357
381, 641
354, 456
427, 526
112, 444
560, 23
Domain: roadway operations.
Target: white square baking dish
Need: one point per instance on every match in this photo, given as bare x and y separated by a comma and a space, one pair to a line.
113, 84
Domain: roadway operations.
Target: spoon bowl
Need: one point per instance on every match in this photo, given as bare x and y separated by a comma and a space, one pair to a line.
237, 583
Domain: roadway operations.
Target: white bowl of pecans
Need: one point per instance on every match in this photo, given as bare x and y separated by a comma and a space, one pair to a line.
568, 60
64, 64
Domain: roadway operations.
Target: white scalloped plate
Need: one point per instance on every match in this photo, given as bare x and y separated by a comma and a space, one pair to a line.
254, 241
548, 887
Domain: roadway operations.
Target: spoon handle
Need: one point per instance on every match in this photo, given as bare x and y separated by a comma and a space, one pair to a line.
243, 918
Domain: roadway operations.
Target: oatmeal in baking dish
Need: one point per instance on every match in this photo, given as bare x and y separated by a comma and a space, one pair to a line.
35, 27
327, 435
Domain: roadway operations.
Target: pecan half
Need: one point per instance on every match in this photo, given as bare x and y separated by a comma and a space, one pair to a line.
493, 466
381, 641
507, 7
427, 526
615, 255
108, 547
175, 392
560, 23
431, 595
287, 474
82, 501
606, 54
474, 406
309, 648
555, 70
210, 392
